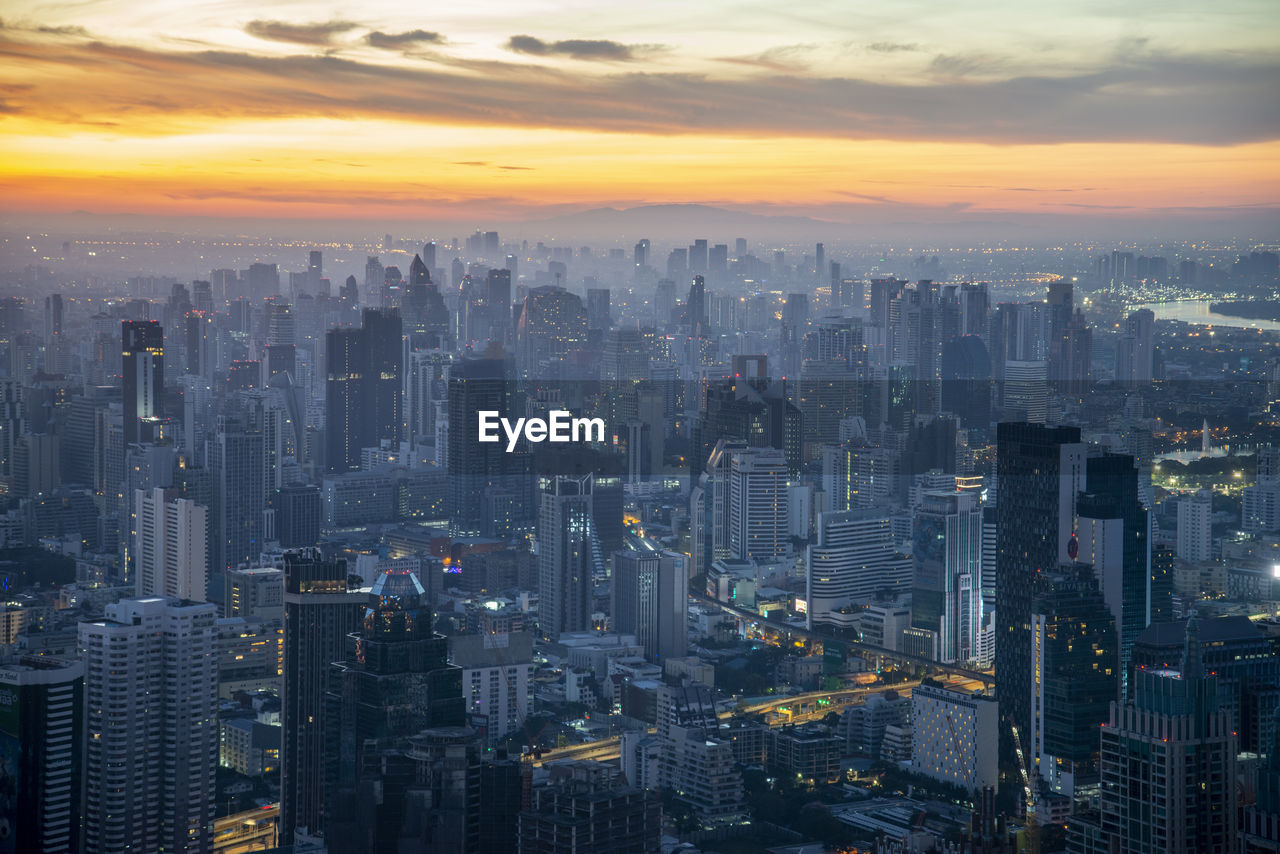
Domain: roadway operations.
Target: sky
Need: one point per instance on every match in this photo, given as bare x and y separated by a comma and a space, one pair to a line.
497, 110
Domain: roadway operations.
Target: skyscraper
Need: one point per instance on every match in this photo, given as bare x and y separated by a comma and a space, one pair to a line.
142, 355
568, 555
172, 549
151, 700
237, 462
281, 341
946, 594
1040, 470
42, 736
1169, 764
750, 407
478, 471
394, 681
1195, 527
1075, 656
759, 521
364, 400
696, 305
651, 601
1113, 536
320, 610
552, 324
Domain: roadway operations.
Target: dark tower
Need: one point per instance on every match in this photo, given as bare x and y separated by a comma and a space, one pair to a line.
319, 612
364, 394
142, 353
395, 682
1040, 470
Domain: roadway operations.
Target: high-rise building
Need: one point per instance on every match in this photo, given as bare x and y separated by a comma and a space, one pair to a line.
142, 354
696, 765
1242, 657
497, 666
568, 555
759, 524
598, 308
750, 407
320, 610
651, 600
856, 556
1135, 348
1112, 530
281, 341
1040, 471
696, 304
1026, 390
1074, 648
946, 594
952, 731
172, 549
42, 740
479, 472
237, 464
254, 592
1195, 527
12, 424
364, 400
1169, 764
552, 324
151, 701
394, 681
296, 511
589, 808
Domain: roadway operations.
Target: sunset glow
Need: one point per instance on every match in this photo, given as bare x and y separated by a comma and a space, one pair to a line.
188, 109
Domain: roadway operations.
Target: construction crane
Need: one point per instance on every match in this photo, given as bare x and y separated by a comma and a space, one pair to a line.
1033, 824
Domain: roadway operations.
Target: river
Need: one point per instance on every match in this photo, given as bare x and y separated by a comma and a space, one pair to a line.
1197, 311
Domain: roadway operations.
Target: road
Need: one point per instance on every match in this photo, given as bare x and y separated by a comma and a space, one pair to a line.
799, 708
890, 654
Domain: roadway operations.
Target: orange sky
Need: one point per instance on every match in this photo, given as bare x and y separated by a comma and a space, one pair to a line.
159, 112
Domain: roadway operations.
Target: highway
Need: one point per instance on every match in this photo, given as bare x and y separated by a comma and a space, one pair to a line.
800, 708
811, 634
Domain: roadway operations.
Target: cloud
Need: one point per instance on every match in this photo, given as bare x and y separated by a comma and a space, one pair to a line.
573, 48
401, 41
316, 34
965, 65
495, 166
892, 47
1168, 98
785, 58
883, 200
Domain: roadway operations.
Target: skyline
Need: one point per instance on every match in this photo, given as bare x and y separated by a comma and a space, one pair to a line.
527, 112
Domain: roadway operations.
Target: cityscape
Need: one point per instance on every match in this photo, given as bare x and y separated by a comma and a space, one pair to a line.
760, 434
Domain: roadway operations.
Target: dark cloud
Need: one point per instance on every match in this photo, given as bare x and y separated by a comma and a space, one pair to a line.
316, 34
1191, 99
401, 41
573, 48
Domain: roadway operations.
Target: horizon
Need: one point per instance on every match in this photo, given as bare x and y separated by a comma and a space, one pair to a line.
925, 117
